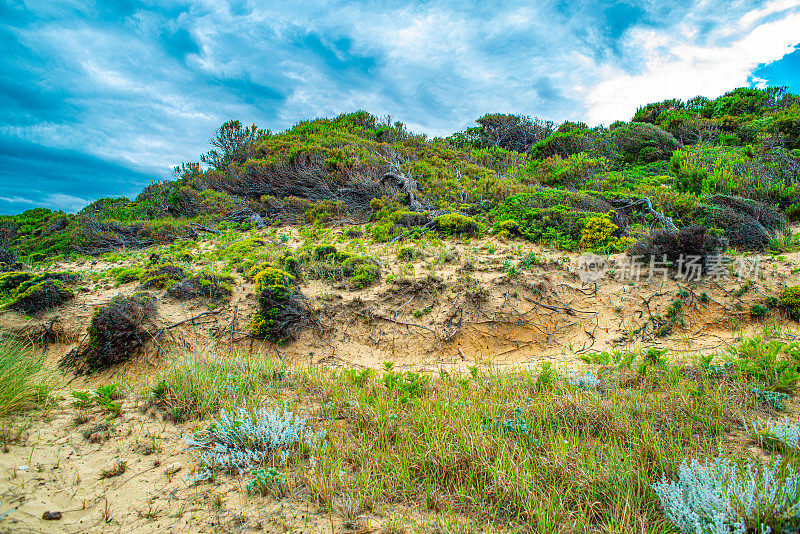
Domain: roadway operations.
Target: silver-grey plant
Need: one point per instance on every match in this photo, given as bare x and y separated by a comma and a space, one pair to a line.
586, 379
781, 432
720, 497
240, 441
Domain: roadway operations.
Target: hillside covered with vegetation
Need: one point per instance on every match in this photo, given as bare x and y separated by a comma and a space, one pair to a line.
731, 164
350, 327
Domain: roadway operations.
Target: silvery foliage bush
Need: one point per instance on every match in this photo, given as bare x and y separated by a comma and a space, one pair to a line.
586, 379
782, 431
718, 497
238, 442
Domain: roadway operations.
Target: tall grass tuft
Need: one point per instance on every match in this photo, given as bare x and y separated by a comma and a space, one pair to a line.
21, 383
203, 382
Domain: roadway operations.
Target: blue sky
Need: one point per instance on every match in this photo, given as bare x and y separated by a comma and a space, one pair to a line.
98, 99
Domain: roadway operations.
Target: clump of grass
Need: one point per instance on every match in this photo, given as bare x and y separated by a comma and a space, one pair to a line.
522, 449
22, 385
202, 382
119, 468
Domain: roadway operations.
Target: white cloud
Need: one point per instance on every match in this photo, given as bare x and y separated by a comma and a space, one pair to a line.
435, 66
65, 202
679, 69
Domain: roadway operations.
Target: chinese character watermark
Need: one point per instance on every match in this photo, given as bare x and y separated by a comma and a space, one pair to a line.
717, 267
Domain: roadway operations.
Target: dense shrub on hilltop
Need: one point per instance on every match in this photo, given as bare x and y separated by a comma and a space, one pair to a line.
642, 143
680, 154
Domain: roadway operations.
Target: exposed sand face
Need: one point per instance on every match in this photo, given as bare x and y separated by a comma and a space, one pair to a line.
454, 307
464, 312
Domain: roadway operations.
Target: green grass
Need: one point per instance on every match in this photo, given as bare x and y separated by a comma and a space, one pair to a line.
525, 450
22, 384
201, 383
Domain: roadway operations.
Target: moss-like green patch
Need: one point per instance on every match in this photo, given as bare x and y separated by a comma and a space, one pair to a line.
163, 277
203, 285
35, 292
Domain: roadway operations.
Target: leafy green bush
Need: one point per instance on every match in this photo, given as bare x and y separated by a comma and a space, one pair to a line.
641, 142
601, 233
790, 301
282, 309
553, 216
163, 277
455, 224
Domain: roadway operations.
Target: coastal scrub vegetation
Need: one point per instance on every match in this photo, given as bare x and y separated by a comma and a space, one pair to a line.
730, 164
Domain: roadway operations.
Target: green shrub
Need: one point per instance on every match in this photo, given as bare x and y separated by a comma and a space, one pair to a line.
790, 301
242, 254
33, 293
364, 275
163, 277
543, 216
282, 309
125, 275
641, 142
40, 297
205, 284
455, 224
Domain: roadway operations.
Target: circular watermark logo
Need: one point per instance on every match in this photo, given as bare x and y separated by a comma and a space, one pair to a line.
591, 267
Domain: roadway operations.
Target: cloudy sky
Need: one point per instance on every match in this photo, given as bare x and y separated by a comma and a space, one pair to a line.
98, 99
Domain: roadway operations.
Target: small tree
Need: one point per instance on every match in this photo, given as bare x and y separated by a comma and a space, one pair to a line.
235, 144
512, 132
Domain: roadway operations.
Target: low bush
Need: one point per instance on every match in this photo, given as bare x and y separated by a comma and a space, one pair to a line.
600, 233
41, 297
204, 284
334, 265
790, 301
782, 435
720, 497
770, 364
282, 309
550, 215
32, 293
640, 142
687, 243
241, 254
242, 440
164, 276
117, 331
455, 224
